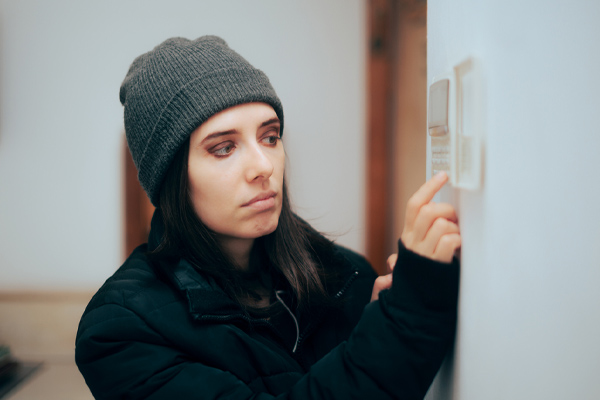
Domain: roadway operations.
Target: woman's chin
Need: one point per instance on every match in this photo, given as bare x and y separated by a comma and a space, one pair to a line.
264, 229
251, 229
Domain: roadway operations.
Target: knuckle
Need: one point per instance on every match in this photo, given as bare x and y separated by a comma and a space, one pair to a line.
428, 210
392, 259
412, 206
382, 282
447, 207
451, 241
445, 241
457, 242
442, 224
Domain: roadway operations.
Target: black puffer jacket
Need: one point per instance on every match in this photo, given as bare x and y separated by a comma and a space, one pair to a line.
176, 335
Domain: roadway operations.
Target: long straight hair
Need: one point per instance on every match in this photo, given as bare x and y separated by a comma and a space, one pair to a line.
294, 253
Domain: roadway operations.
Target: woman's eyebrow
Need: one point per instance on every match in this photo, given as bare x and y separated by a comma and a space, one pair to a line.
234, 131
218, 134
270, 121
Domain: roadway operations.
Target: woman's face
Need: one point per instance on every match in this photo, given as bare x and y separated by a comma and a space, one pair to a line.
235, 171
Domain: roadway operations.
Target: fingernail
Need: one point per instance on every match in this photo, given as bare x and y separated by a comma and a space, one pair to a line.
440, 176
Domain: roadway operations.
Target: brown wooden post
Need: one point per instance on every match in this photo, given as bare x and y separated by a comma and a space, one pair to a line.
138, 209
380, 19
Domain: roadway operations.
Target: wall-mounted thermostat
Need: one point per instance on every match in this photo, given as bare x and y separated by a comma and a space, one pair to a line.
454, 123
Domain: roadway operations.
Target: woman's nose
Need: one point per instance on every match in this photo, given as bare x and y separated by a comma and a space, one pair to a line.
259, 165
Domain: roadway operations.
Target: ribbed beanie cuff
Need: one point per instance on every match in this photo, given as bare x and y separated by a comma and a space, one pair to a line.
171, 90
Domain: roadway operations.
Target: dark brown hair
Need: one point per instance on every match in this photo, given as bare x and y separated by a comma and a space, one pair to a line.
292, 255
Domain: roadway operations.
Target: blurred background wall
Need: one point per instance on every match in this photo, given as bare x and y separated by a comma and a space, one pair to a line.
61, 65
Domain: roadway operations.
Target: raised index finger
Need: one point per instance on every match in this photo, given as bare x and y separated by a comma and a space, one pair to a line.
424, 196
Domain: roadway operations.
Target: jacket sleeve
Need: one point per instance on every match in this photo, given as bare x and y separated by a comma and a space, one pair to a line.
400, 341
393, 352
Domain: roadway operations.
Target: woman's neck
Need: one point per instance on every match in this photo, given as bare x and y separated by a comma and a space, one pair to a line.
239, 250
242, 254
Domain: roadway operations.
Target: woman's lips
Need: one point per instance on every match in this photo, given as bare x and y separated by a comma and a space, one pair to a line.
263, 201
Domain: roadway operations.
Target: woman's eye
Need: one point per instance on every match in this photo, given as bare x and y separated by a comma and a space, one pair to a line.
271, 140
223, 149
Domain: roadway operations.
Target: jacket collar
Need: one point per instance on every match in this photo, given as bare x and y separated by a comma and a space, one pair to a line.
203, 294
205, 297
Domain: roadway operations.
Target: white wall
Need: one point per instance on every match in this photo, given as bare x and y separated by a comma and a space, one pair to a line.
61, 65
529, 318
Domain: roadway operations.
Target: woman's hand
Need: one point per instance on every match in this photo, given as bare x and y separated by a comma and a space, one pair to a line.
430, 229
384, 281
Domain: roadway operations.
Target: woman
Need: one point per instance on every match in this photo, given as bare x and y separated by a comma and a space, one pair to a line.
234, 296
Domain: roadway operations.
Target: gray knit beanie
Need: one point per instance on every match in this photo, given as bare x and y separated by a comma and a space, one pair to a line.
171, 90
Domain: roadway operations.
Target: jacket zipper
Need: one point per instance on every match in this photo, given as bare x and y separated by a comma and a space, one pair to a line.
347, 285
299, 337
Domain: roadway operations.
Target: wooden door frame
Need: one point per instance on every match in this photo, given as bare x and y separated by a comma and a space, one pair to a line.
383, 26
379, 63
